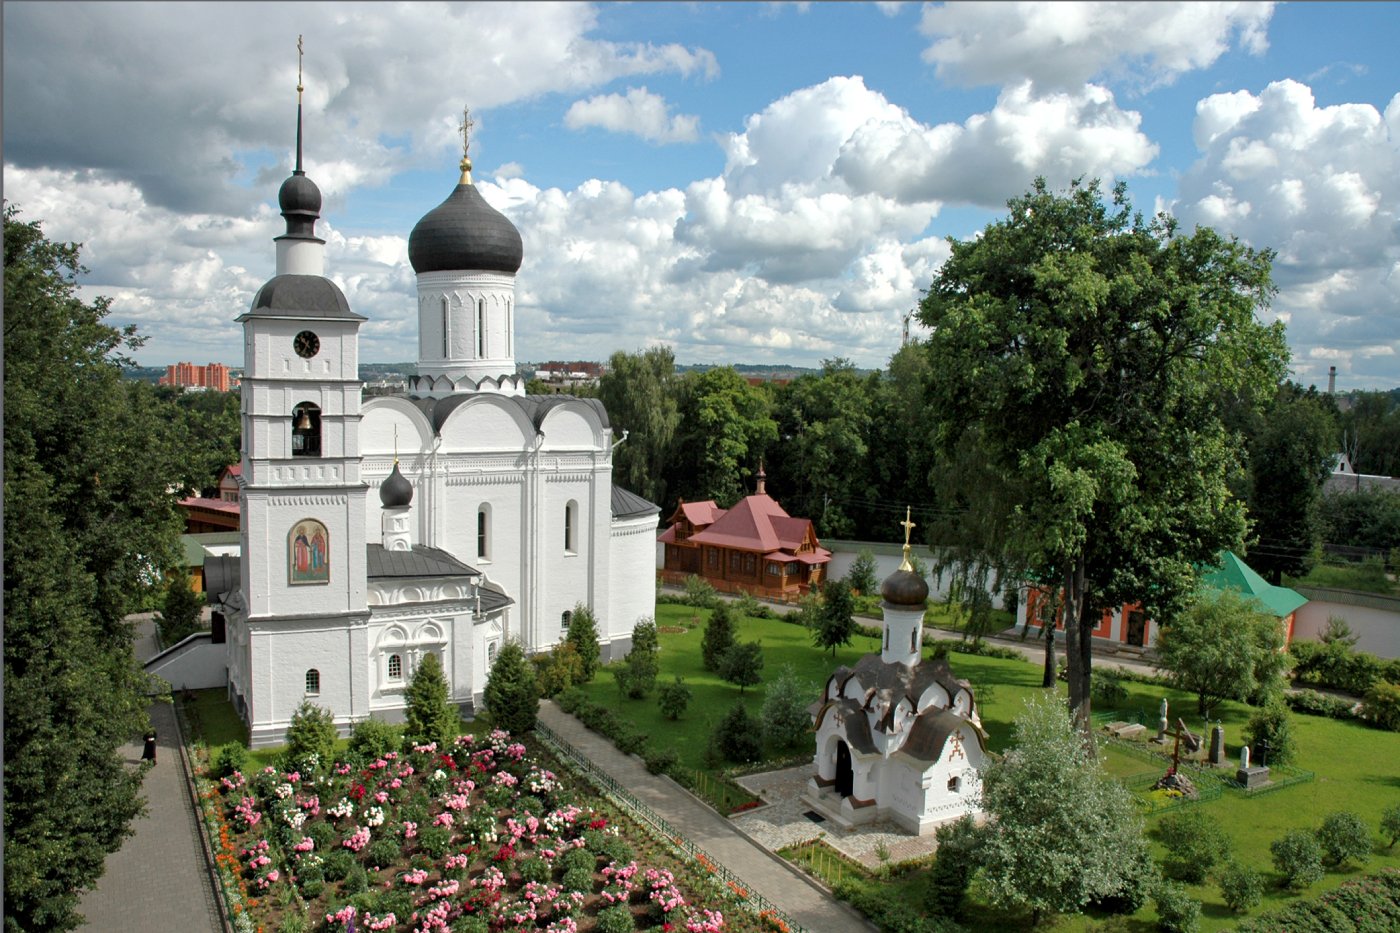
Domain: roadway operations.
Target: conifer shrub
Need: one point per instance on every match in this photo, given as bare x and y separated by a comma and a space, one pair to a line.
737, 735
742, 664
180, 613
434, 841
430, 714
580, 859
356, 880
578, 879
1274, 723
615, 919
786, 722
382, 853
617, 849
230, 758
511, 695
1298, 857
954, 864
583, 636
535, 869
311, 732
719, 636
559, 670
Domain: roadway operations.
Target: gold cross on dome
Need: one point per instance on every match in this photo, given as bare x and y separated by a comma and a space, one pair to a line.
908, 527
465, 128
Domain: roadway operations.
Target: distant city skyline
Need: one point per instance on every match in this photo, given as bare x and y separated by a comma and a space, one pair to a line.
770, 183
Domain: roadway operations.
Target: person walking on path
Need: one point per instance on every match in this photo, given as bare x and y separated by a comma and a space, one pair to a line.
148, 752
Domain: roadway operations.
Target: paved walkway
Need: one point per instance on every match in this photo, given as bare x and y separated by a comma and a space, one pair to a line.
157, 882
791, 890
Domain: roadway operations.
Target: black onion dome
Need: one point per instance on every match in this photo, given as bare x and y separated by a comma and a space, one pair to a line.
465, 233
904, 588
396, 491
299, 195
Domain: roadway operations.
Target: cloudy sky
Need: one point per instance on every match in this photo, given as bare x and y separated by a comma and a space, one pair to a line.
742, 182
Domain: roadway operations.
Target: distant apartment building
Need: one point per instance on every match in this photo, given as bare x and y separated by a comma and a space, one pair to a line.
557, 376
213, 377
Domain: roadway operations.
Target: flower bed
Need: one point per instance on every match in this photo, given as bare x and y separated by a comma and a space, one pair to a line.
474, 838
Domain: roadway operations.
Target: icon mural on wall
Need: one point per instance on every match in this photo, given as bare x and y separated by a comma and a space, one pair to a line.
308, 553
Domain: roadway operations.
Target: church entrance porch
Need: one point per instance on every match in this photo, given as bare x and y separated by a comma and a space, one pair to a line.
845, 776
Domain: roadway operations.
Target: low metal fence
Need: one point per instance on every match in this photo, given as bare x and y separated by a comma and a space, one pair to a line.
626, 799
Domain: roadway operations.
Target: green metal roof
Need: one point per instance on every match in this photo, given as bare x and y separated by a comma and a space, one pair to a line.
193, 545
1234, 574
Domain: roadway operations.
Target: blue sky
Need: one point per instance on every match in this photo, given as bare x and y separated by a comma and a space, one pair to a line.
742, 182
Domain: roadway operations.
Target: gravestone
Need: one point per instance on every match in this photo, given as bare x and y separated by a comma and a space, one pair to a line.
1250, 776
1217, 745
1162, 723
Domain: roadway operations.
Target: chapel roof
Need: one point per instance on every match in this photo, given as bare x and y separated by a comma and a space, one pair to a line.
931, 730
630, 505
419, 561
898, 680
535, 407
300, 297
464, 233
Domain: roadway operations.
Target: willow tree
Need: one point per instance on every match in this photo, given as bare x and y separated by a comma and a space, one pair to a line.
1091, 354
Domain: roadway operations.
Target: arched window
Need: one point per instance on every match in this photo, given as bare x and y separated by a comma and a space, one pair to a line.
491, 654
483, 528
395, 667
446, 332
480, 328
306, 430
509, 351
565, 618
955, 784
313, 682
913, 636
570, 531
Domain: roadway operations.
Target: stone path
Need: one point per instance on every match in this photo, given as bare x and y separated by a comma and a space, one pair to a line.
793, 892
158, 881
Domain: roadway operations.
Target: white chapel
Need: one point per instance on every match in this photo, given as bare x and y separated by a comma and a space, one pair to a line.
441, 521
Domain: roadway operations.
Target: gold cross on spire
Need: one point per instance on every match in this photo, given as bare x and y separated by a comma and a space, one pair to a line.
465, 128
299, 87
908, 527
396, 445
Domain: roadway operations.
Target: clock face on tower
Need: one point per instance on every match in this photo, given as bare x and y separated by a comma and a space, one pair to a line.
306, 344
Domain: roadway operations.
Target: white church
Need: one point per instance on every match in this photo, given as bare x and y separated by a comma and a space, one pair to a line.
898, 737
442, 521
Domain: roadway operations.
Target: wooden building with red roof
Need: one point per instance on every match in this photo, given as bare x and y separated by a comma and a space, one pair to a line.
755, 547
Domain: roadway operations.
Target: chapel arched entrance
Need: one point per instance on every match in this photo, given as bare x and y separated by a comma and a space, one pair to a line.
845, 776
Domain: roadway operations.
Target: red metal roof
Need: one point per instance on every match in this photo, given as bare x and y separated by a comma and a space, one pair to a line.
215, 505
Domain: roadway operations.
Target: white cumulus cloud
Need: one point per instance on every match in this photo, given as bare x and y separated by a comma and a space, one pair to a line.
638, 112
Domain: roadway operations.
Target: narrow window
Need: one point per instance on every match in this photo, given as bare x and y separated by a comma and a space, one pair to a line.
565, 618
481, 541
491, 654
395, 667
570, 519
480, 328
509, 351
313, 682
955, 784
306, 430
887, 636
446, 342
913, 634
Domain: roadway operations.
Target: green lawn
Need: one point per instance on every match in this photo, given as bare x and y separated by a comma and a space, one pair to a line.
1357, 767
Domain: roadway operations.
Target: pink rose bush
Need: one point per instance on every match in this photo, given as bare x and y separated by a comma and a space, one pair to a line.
464, 818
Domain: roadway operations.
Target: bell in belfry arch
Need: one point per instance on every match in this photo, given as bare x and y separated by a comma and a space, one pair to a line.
304, 424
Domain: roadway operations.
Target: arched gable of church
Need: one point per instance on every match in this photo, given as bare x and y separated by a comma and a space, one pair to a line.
381, 416
486, 422
572, 425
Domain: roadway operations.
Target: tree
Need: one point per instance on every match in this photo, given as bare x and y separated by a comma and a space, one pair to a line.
726, 425
1390, 825
737, 735
742, 664
823, 421
954, 864
718, 637
583, 635
1367, 518
642, 663
1344, 835
674, 698
1298, 857
1062, 833
511, 697
1272, 724
639, 390
786, 722
1371, 433
861, 576
1096, 354
431, 716
179, 617
1289, 460
836, 623
1222, 648
91, 485
311, 732
1195, 843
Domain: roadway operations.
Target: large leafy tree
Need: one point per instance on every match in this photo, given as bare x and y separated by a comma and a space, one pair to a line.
1290, 457
1371, 433
1062, 832
639, 391
822, 460
726, 425
1222, 648
90, 521
1093, 351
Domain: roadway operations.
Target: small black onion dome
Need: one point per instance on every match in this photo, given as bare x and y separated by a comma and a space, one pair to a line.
396, 491
465, 233
299, 195
904, 588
